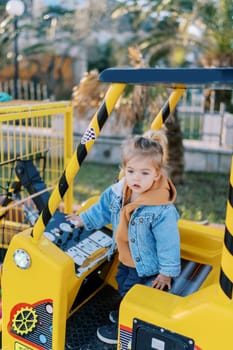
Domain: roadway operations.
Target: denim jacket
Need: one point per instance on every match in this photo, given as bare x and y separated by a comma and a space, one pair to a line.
152, 232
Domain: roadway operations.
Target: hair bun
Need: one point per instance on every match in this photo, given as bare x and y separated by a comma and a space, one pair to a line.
160, 137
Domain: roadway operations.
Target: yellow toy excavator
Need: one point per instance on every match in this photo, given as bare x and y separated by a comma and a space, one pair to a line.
56, 279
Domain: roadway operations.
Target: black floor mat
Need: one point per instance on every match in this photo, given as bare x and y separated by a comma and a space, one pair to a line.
81, 326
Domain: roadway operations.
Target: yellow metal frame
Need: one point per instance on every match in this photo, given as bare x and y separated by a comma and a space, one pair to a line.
15, 114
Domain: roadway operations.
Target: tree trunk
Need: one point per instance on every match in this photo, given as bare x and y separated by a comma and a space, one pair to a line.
175, 149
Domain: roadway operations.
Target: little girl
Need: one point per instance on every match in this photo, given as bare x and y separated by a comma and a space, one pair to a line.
143, 217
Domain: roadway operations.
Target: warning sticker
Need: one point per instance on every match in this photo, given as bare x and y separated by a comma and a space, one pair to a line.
19, 346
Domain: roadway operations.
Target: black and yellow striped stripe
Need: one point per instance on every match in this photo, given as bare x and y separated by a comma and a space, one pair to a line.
226, 274
168, 107
79, 155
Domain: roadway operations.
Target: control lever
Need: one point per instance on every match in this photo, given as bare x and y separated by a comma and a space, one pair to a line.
78, 233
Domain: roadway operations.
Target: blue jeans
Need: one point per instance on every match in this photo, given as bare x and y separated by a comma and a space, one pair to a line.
127, 277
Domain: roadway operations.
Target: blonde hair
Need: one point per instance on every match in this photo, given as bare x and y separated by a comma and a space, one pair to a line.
152, 143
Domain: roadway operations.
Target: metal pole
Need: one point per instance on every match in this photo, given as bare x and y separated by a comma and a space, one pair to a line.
168, 107
16, 63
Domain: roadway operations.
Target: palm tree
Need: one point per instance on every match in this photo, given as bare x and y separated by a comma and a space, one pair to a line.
156, 28
216, 46
181, 33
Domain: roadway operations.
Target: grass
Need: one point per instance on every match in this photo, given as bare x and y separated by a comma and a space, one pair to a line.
203, 196
93, 178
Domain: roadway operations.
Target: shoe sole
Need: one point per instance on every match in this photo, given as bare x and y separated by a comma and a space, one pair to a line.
106, 340
112, 319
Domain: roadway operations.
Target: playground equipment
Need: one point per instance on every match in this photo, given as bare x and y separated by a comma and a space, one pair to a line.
52, 271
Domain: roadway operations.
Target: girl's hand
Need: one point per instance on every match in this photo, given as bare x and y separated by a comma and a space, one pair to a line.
161, 282
74, 219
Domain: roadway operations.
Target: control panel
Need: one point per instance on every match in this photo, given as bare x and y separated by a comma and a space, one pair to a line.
85, 247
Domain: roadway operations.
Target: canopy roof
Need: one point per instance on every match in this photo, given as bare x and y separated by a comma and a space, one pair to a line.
173, 77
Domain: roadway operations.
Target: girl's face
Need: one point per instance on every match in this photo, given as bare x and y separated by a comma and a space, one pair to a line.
140, 174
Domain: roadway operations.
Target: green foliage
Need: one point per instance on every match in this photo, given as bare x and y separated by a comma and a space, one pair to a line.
101, 56
202, 196
200, 30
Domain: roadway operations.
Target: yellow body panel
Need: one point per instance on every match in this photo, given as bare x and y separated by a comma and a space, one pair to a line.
195, 316
50, 277
200, 316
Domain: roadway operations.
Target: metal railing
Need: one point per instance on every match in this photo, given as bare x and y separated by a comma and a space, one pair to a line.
26, 90
200, 120
41, 133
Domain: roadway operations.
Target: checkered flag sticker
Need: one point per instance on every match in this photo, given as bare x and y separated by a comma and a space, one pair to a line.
88, 136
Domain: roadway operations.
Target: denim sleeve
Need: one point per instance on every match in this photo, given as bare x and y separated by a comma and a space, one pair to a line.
98, 215
167, 237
